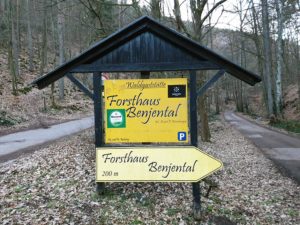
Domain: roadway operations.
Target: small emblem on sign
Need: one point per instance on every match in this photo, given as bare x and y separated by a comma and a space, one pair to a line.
176, 91
181, 136
116, 118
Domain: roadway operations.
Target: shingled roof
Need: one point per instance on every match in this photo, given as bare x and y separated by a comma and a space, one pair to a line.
146, 45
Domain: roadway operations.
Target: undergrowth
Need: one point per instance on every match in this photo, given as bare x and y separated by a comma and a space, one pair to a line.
6, 120
289, 125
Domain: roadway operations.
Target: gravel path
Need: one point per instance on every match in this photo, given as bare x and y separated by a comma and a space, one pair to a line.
56, 186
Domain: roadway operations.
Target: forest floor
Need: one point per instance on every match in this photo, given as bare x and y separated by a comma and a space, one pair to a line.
31, 108
55, 185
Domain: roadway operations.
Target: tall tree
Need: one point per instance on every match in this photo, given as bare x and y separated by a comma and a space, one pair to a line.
17, 32
180, 26
29, 35
44, 42
298, 67
199, 16
279, 4
13, 57
61, 45
156, 8
267, 55
256, 37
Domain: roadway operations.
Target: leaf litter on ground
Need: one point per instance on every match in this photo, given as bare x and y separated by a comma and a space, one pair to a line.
55, 185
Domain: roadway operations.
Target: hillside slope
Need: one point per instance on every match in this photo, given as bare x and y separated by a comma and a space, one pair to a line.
291, 103
32, 107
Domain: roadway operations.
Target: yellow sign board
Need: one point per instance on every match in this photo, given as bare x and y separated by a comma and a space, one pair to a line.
146, 110
159, 164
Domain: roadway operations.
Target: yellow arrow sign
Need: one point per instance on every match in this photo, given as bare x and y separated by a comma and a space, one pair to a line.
159, 164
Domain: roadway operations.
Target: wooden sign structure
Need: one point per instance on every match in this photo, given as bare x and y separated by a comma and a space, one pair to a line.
146, 46
149, 110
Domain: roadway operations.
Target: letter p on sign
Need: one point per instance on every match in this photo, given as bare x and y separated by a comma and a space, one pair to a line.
181, 136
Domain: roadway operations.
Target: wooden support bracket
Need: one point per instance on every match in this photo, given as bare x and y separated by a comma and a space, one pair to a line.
210, 82
80, 85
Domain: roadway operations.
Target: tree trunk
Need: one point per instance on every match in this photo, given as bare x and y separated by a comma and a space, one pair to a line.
52, 98
12, 51
54, 47
156, 9
15, 44
267, 55
17, 37
2, 6
208, 102
179, 23
258, 48
202, 109
60, 31
279, 52
199, 17
44, 44
298, 69
239, 96
29, 36
217, 99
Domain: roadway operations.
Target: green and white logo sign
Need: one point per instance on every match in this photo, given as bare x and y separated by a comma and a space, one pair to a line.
116, 118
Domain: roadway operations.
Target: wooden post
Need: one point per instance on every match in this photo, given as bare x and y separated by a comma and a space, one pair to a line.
194, 141
97, 84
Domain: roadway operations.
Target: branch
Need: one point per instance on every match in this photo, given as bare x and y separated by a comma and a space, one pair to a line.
201, 7
180, 25
92, 10
211, 10
213, 26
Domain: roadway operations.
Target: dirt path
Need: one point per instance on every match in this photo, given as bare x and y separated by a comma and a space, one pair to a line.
282, 149
18, 142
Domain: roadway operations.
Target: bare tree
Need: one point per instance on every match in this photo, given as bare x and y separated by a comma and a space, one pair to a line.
29, 35
179, 23
156, 8
44, 42
199, 16
267, 55
13, 57
298, 68
279, 4
256, 37
61, 45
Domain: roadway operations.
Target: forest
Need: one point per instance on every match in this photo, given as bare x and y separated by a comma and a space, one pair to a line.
51, 139
38, 35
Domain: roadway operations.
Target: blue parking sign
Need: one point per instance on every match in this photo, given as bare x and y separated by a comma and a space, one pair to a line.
181, 136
